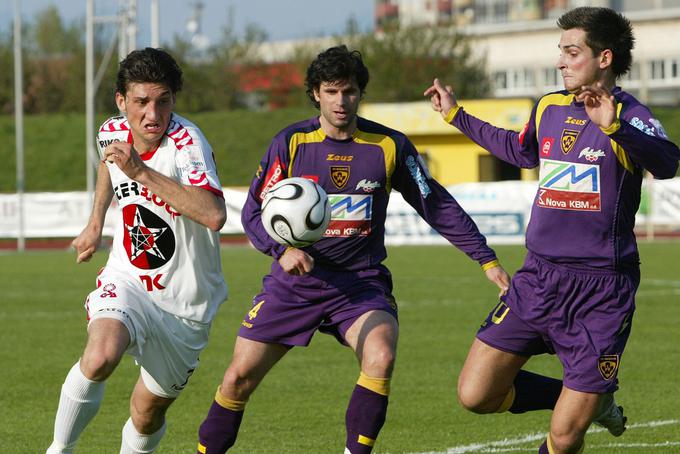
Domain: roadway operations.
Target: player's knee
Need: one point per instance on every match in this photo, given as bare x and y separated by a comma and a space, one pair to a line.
98, 365
472, 399
147, 420
379, 362
237, 385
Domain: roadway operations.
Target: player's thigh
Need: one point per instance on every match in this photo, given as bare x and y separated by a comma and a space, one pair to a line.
488, 372
107, 340
170, 351
373, 337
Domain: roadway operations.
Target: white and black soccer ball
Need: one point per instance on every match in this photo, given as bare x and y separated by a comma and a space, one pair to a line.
296, 212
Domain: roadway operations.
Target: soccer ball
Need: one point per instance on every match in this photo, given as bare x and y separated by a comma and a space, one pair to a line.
296, 212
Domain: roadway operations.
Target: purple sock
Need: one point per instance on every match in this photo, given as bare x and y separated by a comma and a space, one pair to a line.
535, 392
219, 429
544, 448
364, 418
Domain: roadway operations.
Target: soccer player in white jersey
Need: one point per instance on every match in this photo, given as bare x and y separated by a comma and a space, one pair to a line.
163, 283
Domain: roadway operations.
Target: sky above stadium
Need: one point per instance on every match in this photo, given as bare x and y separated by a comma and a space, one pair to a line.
280, 19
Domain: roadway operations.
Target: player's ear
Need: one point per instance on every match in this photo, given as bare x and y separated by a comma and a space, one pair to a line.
120, 101
315, 91
606, 58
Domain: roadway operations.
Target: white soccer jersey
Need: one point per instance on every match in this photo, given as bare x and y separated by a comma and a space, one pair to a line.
174, 258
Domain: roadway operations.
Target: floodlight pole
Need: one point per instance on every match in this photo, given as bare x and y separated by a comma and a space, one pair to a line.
155, 29
19, 122
89, 100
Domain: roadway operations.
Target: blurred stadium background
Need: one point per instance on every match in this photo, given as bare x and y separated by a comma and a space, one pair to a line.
241, 89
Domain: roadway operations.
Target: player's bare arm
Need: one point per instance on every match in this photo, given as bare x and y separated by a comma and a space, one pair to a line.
89, 239
296, 262
197, 204
599, 103
500, 277
441, 97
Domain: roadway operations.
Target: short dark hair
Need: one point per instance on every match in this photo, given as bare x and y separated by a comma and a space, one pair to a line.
336, 64
605, 29
149, 65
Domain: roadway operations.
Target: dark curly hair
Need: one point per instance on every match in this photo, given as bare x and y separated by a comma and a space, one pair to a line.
149, 65
605, 29
336, 64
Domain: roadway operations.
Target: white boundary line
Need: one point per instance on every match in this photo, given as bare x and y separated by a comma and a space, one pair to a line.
512, 444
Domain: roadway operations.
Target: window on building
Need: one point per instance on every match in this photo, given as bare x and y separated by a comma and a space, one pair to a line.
657, 69
552, 77
500, 80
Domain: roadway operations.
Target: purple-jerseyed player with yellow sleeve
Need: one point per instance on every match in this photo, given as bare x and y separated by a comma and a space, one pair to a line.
575, 294
338, 285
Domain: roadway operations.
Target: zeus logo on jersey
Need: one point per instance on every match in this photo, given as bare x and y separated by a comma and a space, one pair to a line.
350, 215
569, 186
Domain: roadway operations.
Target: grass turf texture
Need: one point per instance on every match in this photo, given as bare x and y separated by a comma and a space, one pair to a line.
300, 406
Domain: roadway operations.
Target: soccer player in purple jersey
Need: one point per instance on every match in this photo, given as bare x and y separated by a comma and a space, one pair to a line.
338, 285
574, 296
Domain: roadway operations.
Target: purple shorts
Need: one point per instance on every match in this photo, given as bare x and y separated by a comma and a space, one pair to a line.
290, 309
583, 316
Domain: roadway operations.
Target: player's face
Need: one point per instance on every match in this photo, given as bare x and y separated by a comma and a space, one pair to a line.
577, 62
338, 103
148, 108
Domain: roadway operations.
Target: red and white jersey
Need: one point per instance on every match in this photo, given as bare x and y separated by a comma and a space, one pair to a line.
174, 258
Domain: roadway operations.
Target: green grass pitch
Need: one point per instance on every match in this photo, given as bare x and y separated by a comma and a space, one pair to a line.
300, 406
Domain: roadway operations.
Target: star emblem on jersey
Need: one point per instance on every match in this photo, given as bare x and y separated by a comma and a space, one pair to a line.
148, 240
568, 140
340, 176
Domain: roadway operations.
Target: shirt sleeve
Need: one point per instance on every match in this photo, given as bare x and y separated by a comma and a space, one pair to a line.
519, 149
644, 140
437, 206
271, 170
196, 162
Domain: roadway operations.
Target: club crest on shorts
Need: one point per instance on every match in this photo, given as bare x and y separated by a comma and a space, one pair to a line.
340, 176
568, 140
608, 365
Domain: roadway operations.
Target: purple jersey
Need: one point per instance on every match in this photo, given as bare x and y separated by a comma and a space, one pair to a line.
589, 178
358, 175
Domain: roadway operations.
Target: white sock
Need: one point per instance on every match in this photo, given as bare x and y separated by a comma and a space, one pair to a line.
78, 403
135, 443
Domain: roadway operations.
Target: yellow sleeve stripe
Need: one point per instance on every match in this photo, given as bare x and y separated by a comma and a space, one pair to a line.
201, 448
366, 441
299, 138
452, 113
377, 385
491, 264
225, 402
389, 149
555, 99
612, 128
620, 153
507, 402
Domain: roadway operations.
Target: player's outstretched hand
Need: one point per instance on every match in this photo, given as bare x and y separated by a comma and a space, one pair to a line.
600, 104
498, 276
296, 262
125, 157
86, 243
441, 97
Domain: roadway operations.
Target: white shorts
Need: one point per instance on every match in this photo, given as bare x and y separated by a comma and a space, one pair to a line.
164, 345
